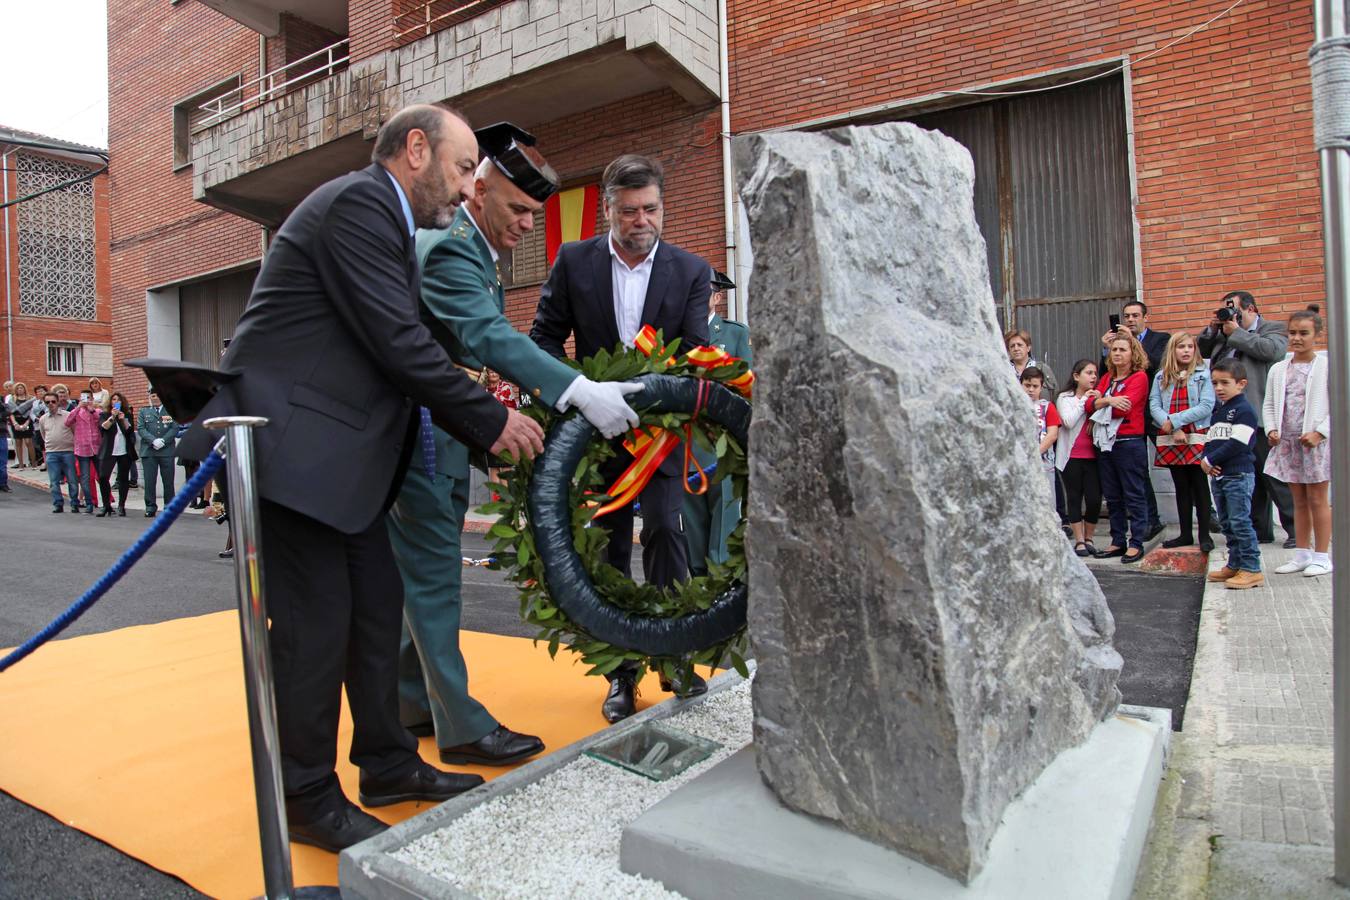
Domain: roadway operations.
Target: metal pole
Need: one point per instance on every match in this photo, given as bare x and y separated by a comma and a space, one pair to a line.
262, 714
1335, 166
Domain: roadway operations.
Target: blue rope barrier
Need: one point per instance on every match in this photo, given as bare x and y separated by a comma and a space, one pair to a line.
209, 467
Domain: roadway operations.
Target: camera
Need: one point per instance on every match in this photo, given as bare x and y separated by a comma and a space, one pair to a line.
1225, 314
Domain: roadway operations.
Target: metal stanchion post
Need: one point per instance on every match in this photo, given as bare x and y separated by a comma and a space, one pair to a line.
262, 714
1330, 17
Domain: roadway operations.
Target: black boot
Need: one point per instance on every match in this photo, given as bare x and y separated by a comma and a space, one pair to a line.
105, 511
619, 703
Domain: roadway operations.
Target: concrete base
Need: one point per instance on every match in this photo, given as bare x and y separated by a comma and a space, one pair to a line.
1078, 831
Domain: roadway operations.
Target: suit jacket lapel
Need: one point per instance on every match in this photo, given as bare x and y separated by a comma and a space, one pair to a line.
603, 290
657, 287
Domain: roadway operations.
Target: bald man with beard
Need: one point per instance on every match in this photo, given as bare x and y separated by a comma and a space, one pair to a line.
331, 351
464, 306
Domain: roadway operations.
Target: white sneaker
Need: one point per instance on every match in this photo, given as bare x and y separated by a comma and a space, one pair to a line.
1300, 562
1317, 568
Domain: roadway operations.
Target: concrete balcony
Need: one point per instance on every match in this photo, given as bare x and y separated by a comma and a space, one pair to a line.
264, 16
529, 61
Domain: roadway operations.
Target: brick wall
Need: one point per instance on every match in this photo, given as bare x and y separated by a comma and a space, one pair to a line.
298, 39
159, 54
31, 333
370, 25
1226, 174
660, 125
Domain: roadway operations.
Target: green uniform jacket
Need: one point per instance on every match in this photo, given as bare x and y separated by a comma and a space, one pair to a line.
734, 338
151, 424
464, 306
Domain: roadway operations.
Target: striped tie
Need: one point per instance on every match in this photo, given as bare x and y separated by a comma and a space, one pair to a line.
428, 444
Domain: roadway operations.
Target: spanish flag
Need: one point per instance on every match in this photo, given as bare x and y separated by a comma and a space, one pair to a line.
569, 216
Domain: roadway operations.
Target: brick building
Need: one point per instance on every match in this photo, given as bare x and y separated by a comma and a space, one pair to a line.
1124, 148
54, 267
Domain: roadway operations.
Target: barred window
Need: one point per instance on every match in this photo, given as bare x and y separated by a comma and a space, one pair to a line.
56, 240
65, 359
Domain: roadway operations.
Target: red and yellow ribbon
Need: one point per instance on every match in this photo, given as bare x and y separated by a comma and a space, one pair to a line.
651, 446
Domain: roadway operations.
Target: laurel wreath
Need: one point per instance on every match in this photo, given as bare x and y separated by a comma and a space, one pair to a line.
515, 550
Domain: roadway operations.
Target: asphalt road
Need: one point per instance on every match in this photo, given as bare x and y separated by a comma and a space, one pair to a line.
1156, 621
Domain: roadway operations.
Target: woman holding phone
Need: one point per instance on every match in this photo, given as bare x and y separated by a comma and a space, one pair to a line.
117, 448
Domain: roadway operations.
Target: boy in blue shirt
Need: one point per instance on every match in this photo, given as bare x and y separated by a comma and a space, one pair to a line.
1231, 462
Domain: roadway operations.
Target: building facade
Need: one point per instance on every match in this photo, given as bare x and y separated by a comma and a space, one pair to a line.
54, 267
1128, 148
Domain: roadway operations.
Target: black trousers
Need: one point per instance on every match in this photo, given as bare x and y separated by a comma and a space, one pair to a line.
1082, 490
123, 464
1192, 486
1151, 498
665, 555
336, 605
1269, 489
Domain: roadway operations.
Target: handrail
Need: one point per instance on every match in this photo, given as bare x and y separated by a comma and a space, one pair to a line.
429, 24
218, 111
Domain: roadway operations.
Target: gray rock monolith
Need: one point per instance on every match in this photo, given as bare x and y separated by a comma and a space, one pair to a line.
927, 643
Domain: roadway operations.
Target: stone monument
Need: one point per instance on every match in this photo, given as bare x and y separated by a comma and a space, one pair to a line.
927, 643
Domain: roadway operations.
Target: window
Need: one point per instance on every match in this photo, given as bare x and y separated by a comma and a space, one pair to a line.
56, 239
528, 263
65, 359
189, 117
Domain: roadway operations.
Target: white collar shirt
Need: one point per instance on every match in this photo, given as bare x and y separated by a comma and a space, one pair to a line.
630, 292
474, 222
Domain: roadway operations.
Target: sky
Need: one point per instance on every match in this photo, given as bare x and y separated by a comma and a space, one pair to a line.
57, 84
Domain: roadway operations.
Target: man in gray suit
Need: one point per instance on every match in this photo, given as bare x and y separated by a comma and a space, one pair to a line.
1258, 344
156, 429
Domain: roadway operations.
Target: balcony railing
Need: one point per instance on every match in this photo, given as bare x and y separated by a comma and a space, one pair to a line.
319, 64
433, 16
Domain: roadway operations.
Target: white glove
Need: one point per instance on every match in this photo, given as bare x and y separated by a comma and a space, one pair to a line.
157, 443
603, 404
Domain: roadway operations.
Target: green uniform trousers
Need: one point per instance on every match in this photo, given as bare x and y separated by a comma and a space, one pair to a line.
424, 528
709, 519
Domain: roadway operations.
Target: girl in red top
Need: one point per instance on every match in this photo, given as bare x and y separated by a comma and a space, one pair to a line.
1122, 458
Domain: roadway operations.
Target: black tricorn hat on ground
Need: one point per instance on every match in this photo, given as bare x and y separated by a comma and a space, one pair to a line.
503, 143
183, 387
720, 282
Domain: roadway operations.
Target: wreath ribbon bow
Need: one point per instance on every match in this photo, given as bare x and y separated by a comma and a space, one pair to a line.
651, 446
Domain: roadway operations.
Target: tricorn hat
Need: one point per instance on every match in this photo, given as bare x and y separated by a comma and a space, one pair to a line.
184, 387
720, 282
502, 143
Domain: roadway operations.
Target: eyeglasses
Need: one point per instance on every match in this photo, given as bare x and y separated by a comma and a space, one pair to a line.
51, 402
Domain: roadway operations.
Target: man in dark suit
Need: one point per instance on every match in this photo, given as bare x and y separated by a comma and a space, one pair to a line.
330, 349
601, 291
1134, 318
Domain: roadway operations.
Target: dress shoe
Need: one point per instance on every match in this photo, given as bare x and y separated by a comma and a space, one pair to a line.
619, 703
338, 830
1206, 546
1153, 531
149, 513
499, 747
226, 554
1179, 541
697, 687
1132, 557
1109, 554
1290, 543
104, 512
58, 509
122, 511
422, 783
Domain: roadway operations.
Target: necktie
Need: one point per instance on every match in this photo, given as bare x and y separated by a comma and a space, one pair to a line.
428, 444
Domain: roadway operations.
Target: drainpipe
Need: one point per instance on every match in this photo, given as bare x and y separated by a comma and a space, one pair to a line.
734, 305
1331, 128
9, 265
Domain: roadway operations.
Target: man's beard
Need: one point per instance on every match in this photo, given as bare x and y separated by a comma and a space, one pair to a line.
639, 244
433, 202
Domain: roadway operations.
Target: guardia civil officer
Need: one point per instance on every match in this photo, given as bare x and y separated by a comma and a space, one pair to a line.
464, 306
711, 517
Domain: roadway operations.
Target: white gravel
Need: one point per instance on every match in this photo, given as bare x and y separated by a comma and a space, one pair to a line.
559, 837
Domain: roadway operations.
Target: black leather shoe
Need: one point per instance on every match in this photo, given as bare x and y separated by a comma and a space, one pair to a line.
226, 554
499, 747
58, 509
105, 511
1108, 554
422, 783
1128, 558
122, 511
1206, 546
338, 830
1153, 531
1179, 541
619, 703
426, 729
1291, 544
149, 513
696, 687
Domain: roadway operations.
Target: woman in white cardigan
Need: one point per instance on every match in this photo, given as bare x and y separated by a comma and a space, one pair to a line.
1297, 403
1076, 458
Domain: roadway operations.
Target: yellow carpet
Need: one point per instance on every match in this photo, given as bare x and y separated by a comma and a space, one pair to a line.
139, 737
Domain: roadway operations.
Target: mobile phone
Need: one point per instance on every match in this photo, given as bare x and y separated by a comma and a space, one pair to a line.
117, 404
1115, 322
84, 395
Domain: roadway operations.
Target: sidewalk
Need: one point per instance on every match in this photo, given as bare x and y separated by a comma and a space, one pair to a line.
1245, 807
